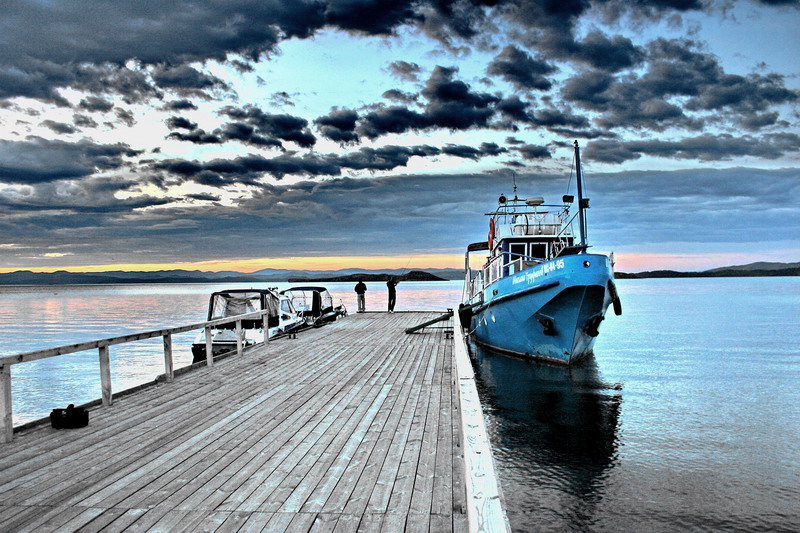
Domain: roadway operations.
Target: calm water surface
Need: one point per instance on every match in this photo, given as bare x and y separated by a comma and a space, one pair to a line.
687, 418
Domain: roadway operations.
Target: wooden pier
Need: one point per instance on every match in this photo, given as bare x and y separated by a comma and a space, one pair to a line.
355, 426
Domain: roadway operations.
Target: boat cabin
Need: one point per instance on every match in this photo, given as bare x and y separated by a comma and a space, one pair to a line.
234, 302
525, 232
314, 304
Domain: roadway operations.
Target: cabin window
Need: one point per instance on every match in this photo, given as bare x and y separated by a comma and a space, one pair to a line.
539, 250
517, 250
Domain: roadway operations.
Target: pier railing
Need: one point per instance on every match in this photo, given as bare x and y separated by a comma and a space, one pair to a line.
102, 345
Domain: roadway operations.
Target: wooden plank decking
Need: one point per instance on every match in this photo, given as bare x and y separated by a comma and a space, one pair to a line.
350, 427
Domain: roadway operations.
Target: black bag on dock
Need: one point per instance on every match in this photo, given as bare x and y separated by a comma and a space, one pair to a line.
69, 418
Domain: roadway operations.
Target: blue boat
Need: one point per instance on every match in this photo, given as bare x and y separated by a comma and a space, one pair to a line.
540, 294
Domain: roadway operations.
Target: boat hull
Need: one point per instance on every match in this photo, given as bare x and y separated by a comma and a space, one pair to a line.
550, 312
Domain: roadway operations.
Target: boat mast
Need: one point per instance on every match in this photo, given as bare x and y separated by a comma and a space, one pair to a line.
581, 204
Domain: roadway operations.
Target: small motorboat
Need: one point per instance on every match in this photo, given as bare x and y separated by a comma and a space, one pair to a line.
282, 318
315, 305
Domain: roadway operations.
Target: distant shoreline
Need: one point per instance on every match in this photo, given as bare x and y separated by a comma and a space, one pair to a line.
307, 277
655, 274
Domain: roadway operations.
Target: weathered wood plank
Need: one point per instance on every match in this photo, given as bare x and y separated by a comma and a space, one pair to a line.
350, 427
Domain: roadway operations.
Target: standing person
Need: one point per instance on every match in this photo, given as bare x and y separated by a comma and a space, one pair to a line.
360, 290
391, 284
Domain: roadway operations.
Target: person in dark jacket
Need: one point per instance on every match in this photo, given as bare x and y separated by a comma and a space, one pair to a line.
391, 284
362, 301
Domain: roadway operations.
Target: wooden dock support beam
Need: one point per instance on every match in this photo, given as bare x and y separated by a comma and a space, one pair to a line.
7, 423
239, 342
169, 370
105, 375
209, 350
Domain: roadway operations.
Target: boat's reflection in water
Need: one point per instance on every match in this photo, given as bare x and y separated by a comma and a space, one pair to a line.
554, 431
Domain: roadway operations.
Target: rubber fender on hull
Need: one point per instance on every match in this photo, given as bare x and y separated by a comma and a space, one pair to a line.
615, 301
548, 324
593, 324
465, 313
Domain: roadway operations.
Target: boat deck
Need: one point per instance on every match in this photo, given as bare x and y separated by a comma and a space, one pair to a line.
350, 427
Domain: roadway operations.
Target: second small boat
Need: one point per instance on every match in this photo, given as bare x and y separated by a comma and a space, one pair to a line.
282, 318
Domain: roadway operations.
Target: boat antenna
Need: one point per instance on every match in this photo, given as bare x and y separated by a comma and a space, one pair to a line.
582, 205
514, 180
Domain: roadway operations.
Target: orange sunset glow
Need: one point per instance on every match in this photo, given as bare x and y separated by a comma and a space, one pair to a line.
290, 263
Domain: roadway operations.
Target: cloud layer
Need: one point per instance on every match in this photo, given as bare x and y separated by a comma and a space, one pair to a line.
501, 83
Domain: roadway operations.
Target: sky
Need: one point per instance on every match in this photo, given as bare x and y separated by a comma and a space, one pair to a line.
332, 134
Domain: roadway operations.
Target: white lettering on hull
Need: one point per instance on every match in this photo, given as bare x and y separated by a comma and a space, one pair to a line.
532, 275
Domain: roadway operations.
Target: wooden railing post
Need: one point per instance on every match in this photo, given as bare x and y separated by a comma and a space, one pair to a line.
209, 350
7, 422
265, 322
168, 366
239, 342
105, 375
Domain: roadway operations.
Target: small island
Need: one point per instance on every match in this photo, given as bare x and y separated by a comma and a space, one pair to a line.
414, 275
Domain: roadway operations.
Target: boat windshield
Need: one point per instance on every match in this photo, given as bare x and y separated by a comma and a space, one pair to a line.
224, 304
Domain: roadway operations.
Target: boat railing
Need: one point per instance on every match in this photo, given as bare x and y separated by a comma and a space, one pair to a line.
496, 268
102, 345
561, 239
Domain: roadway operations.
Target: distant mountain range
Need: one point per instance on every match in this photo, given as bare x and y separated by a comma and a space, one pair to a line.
758, 269
25, 277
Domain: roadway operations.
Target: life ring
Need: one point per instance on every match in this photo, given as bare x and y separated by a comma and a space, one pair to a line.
491, 233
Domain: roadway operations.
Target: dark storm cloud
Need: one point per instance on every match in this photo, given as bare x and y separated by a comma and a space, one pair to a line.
405, 70
95, 104
252, 126
678, 79
38, 160
177, 123
369, 16
100, 39
251, 168
339, 126
532, 152
383, 158
465, 152
284, 127
248, 169
186, 80
245, 133
125, 116
450, 104
453, 105
83, 121
179, 105
601, 52
514, 108
400, 96
703, 148
521, 70
469, 152
59, 127
196, 136
394, 119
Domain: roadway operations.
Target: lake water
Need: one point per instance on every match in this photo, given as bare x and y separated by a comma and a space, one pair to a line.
687, 418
